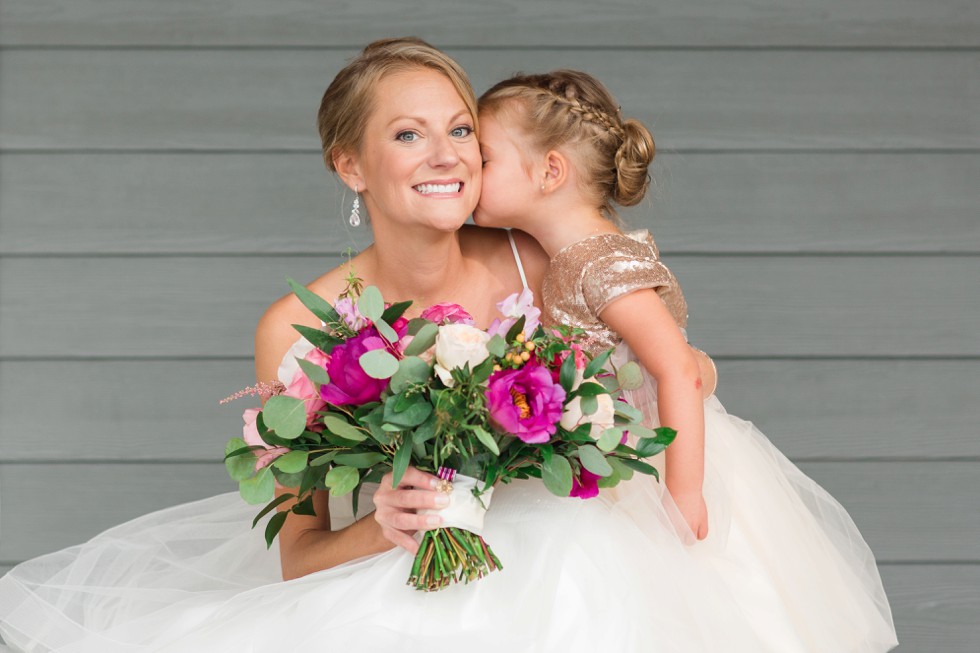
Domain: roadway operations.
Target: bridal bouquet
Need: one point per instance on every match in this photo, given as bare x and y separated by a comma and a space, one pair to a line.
378, 392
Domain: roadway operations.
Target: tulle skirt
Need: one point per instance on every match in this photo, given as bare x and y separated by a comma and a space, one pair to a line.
783, 570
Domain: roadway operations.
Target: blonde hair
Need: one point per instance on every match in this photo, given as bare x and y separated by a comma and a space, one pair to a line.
569, 108
350, 99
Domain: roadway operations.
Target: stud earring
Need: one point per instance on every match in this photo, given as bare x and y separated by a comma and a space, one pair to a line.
355, 209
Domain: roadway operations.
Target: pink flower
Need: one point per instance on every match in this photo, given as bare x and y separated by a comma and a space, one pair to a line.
302, 388
513, 307
349, 384
252, 438
447, 313
585, 487
525, 402
348, 312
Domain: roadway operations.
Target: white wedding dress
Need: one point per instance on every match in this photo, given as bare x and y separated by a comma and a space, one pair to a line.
784, 570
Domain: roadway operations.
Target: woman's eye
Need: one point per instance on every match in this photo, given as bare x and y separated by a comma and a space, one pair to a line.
461, 132
406, 137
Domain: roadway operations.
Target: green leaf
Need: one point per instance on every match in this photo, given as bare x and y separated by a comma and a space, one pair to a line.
609, 481
415, 324
378, 363
411, 370
287, 480
274, 526
630, 376
323, 459
395, 311
421, 341
610, 439
386, 331
665, 435
343, 428
304, 507
590, 390
589, 405
360, 460
640, 466
557, 475
269, 437
341, 480
628, 411
517, 328
402, 457
285, 415
242, 466
414, 414
259, 488
484, 436
282, 498
624, 472
596, 364
317, 305
497, 346
318, 338
371, 304
566, 377
316, 374
646, 447
310, 478
426, 430
593, 460
292, 462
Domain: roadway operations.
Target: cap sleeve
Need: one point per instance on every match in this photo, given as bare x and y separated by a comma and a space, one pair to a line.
613, 276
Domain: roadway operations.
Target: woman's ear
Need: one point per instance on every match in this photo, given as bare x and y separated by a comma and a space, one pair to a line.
556, 171
348, 169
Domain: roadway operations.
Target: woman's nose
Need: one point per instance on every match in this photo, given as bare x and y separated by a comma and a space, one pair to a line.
444, 154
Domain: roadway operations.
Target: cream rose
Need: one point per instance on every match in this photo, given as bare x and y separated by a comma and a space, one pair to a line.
603, 418
457, 345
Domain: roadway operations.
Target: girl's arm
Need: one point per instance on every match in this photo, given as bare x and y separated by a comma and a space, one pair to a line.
306, 543
642, 319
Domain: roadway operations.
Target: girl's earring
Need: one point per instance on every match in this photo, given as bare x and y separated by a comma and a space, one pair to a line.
355, 209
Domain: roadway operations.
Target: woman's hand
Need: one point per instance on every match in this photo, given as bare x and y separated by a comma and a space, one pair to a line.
395, 508
694, 511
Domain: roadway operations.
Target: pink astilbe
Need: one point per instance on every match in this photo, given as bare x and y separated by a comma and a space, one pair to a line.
262, 389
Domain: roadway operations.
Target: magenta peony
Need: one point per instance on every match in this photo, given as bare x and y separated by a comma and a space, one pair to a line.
525, 402
349, 384
447, 313
585, 487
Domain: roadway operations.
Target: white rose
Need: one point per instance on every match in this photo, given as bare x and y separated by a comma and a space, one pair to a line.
603, 418
457, 345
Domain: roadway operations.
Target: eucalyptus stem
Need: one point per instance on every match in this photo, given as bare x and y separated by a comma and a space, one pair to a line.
450, 555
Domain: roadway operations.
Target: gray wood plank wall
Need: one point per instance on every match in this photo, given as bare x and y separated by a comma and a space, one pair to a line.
816, 192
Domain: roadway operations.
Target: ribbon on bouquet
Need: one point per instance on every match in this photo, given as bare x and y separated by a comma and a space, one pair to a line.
465, 510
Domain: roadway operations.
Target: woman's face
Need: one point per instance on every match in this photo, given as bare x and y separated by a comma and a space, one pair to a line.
419, 159
508, 187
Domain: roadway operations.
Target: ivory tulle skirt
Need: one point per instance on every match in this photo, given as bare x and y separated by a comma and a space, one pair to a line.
784, 570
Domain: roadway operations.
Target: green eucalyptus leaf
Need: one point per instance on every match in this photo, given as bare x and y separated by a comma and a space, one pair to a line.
274, 526
594, 460
640, 466
292, 462
423, 339
622, 471
497, 346
609, 481
341, 480
258, 489
566, 377
415, 413
556, 474
287, 479
322, 459
285, 415
371, 304
343, 428
630, 376
317, 305
589, 405
282, 498
386, 331
411, 370
590, 390
402, 457
596, 364
627, 411
316, 374
378, 363
395, 311
242, 466
487, 439
646, 447
609, 439
360, 460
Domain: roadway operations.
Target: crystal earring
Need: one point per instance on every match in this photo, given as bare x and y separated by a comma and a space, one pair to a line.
355, 209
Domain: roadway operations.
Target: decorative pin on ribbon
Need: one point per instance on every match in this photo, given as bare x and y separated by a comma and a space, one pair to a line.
446, 477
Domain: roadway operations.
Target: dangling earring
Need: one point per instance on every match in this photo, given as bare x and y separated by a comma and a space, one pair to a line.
355, 209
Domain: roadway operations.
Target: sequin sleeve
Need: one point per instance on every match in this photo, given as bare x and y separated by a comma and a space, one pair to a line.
613, 276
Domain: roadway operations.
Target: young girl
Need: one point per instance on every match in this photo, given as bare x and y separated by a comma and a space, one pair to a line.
557, 156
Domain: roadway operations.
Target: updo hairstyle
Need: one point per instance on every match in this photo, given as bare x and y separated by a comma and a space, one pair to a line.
349, 100
573, 110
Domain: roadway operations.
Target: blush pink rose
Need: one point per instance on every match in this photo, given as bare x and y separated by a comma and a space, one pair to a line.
302, 388
447, 313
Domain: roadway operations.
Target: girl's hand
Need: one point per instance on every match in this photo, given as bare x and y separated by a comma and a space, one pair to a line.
694, 510
395, 508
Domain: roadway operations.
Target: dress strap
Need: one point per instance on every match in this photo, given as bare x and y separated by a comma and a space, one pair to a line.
517, 258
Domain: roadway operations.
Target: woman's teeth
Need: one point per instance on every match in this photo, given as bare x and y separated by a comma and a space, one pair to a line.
427, 189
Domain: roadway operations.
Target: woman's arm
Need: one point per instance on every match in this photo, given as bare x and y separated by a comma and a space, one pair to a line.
306, 543
642, 319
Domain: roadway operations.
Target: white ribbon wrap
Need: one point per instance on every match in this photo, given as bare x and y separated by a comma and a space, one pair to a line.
464, 510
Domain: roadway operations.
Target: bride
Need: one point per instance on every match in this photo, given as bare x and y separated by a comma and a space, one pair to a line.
398, 125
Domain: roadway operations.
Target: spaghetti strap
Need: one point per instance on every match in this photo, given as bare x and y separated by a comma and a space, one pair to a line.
517, 258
